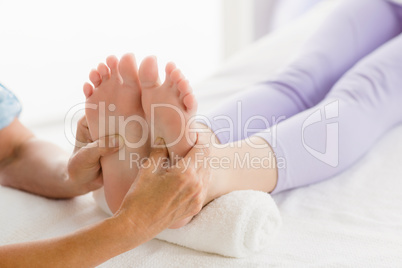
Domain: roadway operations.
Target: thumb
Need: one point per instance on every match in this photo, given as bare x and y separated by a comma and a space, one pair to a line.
109, 144
92, 152
159, 151
200, 149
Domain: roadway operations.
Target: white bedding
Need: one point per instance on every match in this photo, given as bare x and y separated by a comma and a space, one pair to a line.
354, 219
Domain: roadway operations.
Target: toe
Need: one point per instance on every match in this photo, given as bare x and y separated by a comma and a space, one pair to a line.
176, 76
128, 69
169, 68
88, 90
103, 70
95, 78
190, 102
148, 72
112, 63
184, 87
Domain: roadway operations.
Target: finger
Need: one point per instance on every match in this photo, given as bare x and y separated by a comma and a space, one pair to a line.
159, 150
83, 136
198, 154
190, 207
198, 157
195, 205
107, 145
205, 181
92, 152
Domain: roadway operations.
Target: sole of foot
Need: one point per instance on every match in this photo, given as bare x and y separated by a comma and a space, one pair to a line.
169, 107
113, 106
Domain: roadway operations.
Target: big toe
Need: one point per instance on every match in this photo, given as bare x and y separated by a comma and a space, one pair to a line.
128, 69
148, 73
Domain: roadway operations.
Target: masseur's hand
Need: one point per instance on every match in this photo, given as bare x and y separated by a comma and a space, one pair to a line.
84, 167
158, 198
161, 196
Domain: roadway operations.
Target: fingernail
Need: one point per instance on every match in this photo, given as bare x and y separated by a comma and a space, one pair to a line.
121, 142
115, 141
159, 141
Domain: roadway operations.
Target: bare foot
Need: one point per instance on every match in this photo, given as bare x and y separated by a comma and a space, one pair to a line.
114, 107
168, 107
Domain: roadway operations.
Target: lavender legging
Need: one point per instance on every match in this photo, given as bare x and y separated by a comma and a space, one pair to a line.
339, 95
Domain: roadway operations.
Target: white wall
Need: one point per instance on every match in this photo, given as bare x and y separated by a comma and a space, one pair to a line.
288, 10
245, 21
48, 47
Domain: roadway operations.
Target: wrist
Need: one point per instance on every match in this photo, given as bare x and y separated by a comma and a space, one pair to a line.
133, 230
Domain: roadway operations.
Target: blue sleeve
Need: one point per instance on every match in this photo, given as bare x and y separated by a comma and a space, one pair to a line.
10, 107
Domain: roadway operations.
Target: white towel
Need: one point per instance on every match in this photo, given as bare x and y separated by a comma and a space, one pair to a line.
236, 225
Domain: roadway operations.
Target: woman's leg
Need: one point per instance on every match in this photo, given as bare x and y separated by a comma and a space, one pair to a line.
326, 139
352, 31
323, 140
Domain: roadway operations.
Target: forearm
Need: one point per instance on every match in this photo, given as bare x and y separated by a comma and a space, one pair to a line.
32, 165
88, 247
39, 167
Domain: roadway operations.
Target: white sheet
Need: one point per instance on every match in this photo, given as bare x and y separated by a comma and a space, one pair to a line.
352, 220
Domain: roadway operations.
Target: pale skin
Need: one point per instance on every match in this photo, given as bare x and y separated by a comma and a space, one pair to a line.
142, 215
117, 82
125, 92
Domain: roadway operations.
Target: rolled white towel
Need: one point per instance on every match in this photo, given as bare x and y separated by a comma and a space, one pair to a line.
237, 224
